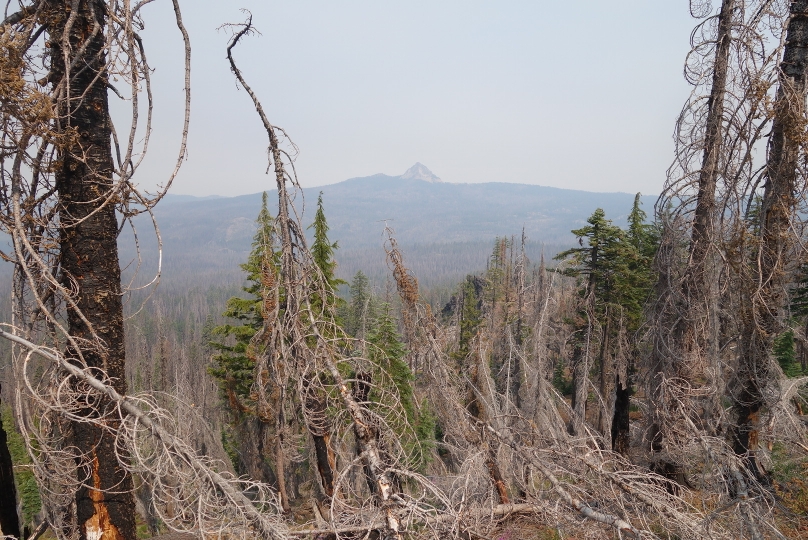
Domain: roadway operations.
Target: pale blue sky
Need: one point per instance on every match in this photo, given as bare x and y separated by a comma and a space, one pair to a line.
579, 95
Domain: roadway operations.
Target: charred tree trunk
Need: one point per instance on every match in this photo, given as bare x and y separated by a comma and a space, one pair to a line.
9, 520
762, 321
89, 249
621, 420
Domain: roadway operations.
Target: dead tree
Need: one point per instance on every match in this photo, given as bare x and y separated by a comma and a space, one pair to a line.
63, 176
784, 170
702, 210
89, 245
305, 340
690, 351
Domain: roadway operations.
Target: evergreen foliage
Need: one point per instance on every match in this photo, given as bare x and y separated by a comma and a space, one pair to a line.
234, 363
785, 352
617, 265
322, 249
470, 316
27, 489
388, 352
361, 308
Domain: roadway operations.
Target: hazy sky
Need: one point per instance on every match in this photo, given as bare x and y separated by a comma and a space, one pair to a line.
579, 95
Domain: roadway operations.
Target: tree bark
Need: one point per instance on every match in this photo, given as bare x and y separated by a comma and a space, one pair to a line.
690, 348
700, 279
762, 322
320, 429
700, 347
89, 250
607, 383
621, 420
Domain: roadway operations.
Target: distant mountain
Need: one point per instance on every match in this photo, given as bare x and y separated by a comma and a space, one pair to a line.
430, 218
420, 172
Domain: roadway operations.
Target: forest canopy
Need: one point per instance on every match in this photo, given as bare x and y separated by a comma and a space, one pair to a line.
648, 382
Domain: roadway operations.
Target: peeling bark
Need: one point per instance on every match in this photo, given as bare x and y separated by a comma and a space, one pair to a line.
100, 526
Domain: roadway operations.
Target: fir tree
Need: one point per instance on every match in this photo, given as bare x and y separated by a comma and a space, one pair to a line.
322, 249
360, 308
469, 316
234, 363
388, 352
617, 268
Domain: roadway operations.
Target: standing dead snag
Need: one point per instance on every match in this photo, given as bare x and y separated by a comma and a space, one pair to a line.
690, 351
305, 338
88, 246
60, 189
776, 243
422, 331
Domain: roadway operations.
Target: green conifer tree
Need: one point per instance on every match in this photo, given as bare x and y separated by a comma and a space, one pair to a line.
233, 365
388, 352
470, 316
617, 268
361, 308
322, 249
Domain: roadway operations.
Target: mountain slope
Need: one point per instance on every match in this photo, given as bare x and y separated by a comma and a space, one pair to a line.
429, 217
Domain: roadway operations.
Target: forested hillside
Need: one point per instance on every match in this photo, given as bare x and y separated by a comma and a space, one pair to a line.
397, 357
446, 228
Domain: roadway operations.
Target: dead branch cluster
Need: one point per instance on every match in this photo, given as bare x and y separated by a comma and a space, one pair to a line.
513, 455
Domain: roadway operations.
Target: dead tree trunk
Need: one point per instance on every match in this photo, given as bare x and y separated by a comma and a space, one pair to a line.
580, 358
89, 250
476, 407
621, 421
320, 429
698, 331
688, 343
607, 383
762, 321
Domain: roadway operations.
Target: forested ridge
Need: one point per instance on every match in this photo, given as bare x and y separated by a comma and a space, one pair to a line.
648, 380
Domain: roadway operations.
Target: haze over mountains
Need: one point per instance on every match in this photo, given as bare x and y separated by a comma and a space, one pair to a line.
445, 229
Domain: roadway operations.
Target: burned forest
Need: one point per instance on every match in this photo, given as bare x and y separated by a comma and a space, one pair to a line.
648, 379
